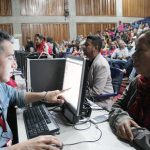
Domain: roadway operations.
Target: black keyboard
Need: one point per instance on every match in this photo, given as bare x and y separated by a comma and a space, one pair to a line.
38, 121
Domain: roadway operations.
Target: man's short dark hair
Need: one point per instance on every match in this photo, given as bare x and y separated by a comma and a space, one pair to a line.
4, 36
96, 41
40, 36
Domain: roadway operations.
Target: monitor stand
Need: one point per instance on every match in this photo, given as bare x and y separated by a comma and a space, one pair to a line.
72, 117
69, 114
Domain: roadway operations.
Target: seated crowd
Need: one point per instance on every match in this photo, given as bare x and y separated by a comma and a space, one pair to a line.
118, 45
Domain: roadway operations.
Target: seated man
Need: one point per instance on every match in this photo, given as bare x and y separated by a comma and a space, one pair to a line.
120, 56
10, 95
130, 115
30, 45
99, 76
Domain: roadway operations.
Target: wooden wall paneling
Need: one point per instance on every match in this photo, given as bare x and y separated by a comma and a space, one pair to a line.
95, 7
5, 8
98, 7
85, 28
125, 10
7, 27
104, 7
101, 7
106, 2
58, 32
136, 8
108, 7
143, 5
135, 4
92, 7
143, 11
77, 8
112, 9
42, 7
147, 7
124, 7
87, 8
129, 7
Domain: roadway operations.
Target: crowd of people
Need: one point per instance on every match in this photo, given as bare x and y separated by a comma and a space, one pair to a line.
118, 45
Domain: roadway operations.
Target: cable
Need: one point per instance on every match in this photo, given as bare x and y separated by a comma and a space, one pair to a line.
88, 141
82, 128
80, 123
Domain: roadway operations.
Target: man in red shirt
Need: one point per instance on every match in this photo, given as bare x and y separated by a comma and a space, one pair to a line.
41, 45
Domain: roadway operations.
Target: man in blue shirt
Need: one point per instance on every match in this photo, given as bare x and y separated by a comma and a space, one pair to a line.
10, 95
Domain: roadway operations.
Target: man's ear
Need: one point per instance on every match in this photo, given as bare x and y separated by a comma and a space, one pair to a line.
97, 47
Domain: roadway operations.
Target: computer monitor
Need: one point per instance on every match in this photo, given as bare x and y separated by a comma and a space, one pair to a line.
74, 85
45, 74
29, 55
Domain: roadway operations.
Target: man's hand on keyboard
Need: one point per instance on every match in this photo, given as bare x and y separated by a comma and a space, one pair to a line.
54, 97
47, 142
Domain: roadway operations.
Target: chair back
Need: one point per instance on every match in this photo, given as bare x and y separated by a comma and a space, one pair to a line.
116, 75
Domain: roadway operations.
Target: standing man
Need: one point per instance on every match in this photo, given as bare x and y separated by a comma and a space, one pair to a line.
99, 77
10, 95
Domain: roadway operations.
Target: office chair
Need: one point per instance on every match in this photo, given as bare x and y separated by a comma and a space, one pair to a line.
117, 76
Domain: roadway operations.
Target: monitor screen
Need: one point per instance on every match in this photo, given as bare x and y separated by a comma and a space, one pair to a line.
74, 83
45, 74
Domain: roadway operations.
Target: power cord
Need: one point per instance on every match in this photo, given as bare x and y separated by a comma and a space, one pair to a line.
88, 141
75, 126
81, 123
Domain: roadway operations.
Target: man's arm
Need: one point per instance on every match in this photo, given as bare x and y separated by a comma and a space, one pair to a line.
50, 97
119, 119
119, 112
20, 98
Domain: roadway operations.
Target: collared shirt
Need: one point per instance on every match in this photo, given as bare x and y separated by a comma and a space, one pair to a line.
8, 95
119, 53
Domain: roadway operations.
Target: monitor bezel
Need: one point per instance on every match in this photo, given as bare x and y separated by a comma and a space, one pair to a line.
30, 85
